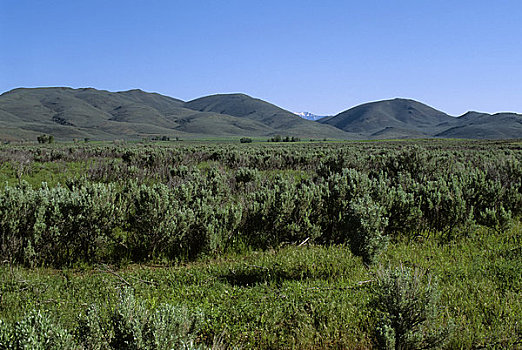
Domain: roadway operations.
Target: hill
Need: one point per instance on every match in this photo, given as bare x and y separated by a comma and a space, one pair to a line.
377, 118
485, 126
404, 118
246, 107
70, 113
77, 113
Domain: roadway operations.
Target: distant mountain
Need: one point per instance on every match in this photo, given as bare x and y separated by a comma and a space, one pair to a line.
70, 113
485, 126
243, 106
310, 116
411, 117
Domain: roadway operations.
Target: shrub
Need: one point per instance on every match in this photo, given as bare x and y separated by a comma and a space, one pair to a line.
92, 332
244, 175
45, 138
365, 224
57, 225
175, 327
443, 204
152, 220
405, 310
132, 326
35, 331
402, 210
282, 211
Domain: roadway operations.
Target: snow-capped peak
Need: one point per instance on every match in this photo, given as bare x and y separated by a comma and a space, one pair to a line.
309, 116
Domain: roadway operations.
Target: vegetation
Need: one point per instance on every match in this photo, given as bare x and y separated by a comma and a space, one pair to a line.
279, 138
83, 113
405, 307
45, 138
94, 114
326, 245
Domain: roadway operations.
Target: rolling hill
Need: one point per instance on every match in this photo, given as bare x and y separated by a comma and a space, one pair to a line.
404, 118
485, 126
400, 116
246, 107
68, 113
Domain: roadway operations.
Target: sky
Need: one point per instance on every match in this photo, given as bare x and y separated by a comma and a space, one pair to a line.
317, 56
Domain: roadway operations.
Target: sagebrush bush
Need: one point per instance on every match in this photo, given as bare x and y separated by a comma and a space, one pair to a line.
365, 225
138, 203
405, 307
131, 325
35, 331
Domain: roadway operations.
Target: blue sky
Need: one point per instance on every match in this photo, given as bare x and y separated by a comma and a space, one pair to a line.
318, 56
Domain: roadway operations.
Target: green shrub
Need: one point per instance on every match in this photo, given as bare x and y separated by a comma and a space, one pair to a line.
131, 325
175, 327
342, 189
35, 331
57, 225
405, 310
402, 209
282, 211
244, 175
152, 220
365, 226
5, 335
443, 204
92, 331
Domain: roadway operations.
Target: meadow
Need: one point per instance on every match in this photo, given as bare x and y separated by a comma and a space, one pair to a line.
390, 244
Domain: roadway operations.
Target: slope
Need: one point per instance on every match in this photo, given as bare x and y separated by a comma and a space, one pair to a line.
282, 121
408, 116
475, 125
74, 113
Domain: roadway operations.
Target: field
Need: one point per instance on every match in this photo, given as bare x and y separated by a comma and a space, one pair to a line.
391, 244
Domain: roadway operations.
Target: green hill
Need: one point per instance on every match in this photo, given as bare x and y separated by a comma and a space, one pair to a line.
403, 118
378, 118
485, 126
70, 113
283, 121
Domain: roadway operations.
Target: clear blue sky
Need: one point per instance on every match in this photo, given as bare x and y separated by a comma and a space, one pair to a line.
318, 56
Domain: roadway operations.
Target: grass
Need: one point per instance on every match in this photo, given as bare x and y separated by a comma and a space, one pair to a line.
297, 297
35, 173
289, 297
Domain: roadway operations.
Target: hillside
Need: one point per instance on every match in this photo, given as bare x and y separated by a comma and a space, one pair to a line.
404, 118
70, 113
409, 116
485, 126
77, 113
244, 106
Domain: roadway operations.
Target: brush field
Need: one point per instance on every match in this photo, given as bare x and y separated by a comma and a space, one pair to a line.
391, 244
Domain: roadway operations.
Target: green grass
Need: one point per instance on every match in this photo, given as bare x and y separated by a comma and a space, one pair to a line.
35, 173
297, 297
288, 297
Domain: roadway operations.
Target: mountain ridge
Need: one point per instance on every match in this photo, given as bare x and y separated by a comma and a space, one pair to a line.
406, 118
69, 113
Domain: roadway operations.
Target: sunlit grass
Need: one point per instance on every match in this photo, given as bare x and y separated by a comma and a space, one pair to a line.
302, 297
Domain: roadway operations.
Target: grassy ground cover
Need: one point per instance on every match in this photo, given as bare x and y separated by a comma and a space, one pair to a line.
295, 297
392, 244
